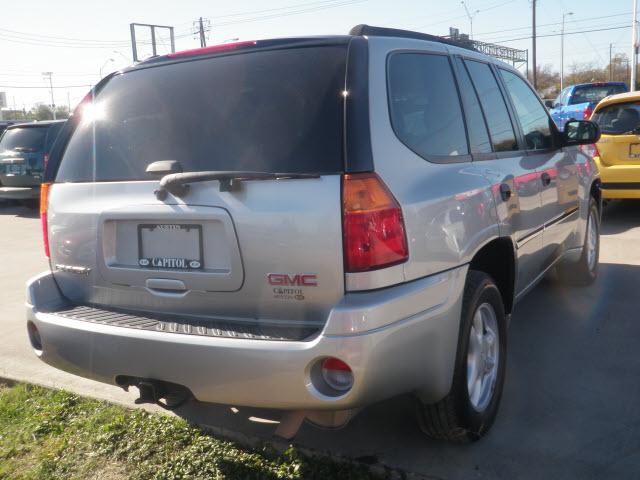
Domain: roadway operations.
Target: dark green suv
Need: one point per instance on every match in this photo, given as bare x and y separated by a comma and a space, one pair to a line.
24, 149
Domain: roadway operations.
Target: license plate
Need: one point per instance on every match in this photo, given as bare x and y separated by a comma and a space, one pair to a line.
13, 169
634, 150
169, 246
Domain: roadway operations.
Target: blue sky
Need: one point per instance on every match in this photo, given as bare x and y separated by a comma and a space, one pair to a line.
74, 39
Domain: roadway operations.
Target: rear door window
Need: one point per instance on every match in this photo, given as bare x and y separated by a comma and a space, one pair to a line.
424, 105
27, 139
501, 130
594, 93
619, 118
478, 136
533, 117
267, 111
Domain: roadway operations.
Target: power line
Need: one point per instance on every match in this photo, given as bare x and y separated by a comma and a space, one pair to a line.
45, 87
566, 33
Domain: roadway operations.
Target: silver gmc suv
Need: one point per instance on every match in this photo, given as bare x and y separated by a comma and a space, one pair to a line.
311, 225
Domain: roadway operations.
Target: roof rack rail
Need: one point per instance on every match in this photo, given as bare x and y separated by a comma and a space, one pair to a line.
369, 30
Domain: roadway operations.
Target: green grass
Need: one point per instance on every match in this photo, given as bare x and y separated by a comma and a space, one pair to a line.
53, 434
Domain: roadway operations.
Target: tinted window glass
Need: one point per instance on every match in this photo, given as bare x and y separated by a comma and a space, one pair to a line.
619, 118
269, 111
30, 139
495, 109
478, 136
531, 114
424, 105
52, 134
595, 93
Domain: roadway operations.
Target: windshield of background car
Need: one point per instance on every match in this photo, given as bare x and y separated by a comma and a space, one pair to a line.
268, 111
618, 118
593, 94
28, 139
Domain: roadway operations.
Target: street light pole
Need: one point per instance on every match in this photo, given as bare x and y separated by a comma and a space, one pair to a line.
564, 15
634, 46
470, 16
104, 65
53, 104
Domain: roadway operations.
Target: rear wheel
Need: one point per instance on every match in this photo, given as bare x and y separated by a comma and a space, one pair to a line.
585, 271
470, 408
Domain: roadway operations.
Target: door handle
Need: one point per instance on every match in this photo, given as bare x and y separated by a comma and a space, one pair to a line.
505, 192
546, 179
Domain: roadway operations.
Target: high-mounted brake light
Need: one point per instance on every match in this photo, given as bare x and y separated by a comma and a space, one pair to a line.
212, 49
44, 205
373, 227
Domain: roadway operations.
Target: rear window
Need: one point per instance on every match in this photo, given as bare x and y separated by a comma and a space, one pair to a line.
28, 139
618, 118
593, 94
268, 111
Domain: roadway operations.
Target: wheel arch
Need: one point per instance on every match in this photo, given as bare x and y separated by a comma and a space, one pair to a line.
497, 258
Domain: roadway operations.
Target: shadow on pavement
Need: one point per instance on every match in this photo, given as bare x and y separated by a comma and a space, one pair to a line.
569, 409
19, 210
620, 216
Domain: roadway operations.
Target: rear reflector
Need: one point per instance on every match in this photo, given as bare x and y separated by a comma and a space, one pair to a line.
337, 374
44, 203
213, 49
373, 227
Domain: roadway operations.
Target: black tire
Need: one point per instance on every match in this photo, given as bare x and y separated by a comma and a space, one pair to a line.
454, 418
583, 272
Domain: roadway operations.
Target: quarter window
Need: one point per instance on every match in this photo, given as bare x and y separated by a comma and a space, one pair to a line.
532, 115
502, 135
424, 105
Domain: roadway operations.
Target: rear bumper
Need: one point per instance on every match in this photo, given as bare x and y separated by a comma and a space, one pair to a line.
19, 193
619, 181
396, 340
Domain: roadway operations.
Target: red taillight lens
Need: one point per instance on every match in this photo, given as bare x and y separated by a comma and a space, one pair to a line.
590, 150
587, 112
212, 49
337, 374
44, 203
373, 227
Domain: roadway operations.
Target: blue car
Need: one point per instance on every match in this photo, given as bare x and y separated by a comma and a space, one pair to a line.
576, 102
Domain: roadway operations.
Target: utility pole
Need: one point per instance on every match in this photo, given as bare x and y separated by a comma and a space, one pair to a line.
564, 15
53, 103
610, 63
634, 46
68, 102
533, 35
203, 40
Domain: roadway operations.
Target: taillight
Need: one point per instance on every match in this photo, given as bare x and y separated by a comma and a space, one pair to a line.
591, 150
373, 227
44, 203
587, 112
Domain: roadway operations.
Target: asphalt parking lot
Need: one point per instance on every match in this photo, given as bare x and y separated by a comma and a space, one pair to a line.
570, 406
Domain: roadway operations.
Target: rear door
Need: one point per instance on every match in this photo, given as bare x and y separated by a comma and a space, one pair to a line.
556, 167
267, 250
513, 175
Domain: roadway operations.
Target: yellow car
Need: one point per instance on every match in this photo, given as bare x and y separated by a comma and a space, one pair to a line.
617, 153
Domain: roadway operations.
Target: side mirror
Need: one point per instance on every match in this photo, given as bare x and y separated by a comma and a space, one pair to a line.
580, 132
548, 103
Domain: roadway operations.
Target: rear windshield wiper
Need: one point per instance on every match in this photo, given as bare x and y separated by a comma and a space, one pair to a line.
178, 183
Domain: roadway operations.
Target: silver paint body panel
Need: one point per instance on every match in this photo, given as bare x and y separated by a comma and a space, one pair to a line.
397, 327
